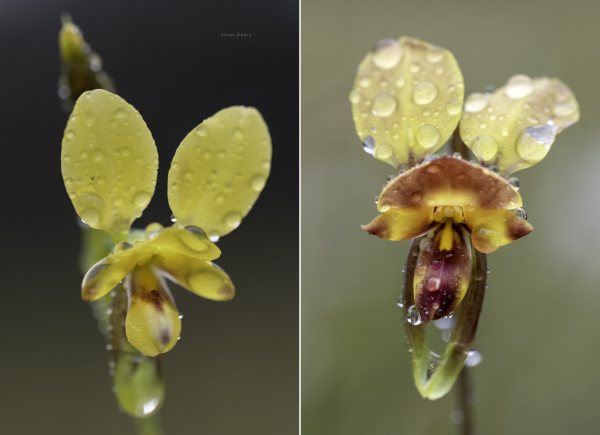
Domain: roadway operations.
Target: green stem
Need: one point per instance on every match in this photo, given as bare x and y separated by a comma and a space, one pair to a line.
464, 392
148, 425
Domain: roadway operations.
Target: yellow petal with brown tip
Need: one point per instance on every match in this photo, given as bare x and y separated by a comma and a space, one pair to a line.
401, 224
407, 100
105, 275
201, 277
492, 228
219, 170
449, 181
109, 162
153, 325
515, 126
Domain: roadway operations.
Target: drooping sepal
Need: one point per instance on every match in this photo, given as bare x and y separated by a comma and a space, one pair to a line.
492, 228
401, 223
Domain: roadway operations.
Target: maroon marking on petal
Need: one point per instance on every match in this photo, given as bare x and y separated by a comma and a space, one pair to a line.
165, 337
155, 299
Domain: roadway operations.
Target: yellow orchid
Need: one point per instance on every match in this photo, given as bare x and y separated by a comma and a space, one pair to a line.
109, 165
407, 102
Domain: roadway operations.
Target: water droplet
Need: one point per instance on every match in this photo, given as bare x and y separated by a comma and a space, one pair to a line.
494, 168
355, 97
387, 53
413, 316
201, 130
457, 155
435, 54
258, 182
153, 230
485, 147
473, 358
476, 102
400, 81
384, 152
401, 301
504, 131
365, 82
519, 86
94, 271
431, 158
439, 70
514, 182
69, 134
92, 206
214, 236
198, 232
383, 105
428, 136
453, 107
142, 199
369, 145
564, 108
173, 218
120, 112
385, 206
535, 142
414, 67
233, 219
424, 93
521, 213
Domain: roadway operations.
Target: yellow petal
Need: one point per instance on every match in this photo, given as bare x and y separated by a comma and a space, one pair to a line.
201, 277
449, 181
176, 239
105, 275
401, 224
493, 228
153, 325
407, 100
219, 170
109, 162
515, 126
443, 272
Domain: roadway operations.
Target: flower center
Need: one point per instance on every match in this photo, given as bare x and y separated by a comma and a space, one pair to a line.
448, 212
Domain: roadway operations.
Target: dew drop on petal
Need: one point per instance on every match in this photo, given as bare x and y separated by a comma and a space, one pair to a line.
473, 358
387, 53
514, 182
369, 145
564, 108
201, 131
476, 102
233, 219
385, 206
355, 97
400, 81
142, 199
435, 54
384, 152
384, 105
258, 182
535, 142
485, 147
519, 86
428, 136
214, 236
521, 213
413, 316
453, 107
424, 93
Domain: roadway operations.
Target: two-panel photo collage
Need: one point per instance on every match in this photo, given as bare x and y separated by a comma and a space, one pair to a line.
284, 217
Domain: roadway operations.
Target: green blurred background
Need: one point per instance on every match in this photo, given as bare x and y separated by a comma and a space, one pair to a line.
539, 327
235, 370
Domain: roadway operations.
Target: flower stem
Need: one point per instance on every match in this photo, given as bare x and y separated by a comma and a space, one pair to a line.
148, 425
464, 393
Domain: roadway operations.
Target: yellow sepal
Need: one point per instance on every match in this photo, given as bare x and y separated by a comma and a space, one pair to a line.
407, 99
515, 126
109, 162
492, 228
219, 170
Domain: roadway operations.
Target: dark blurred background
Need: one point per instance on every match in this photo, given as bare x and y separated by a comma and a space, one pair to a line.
538, 331
235, 371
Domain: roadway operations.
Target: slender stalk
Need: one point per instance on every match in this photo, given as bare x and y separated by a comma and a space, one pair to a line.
148, 425
464, 391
